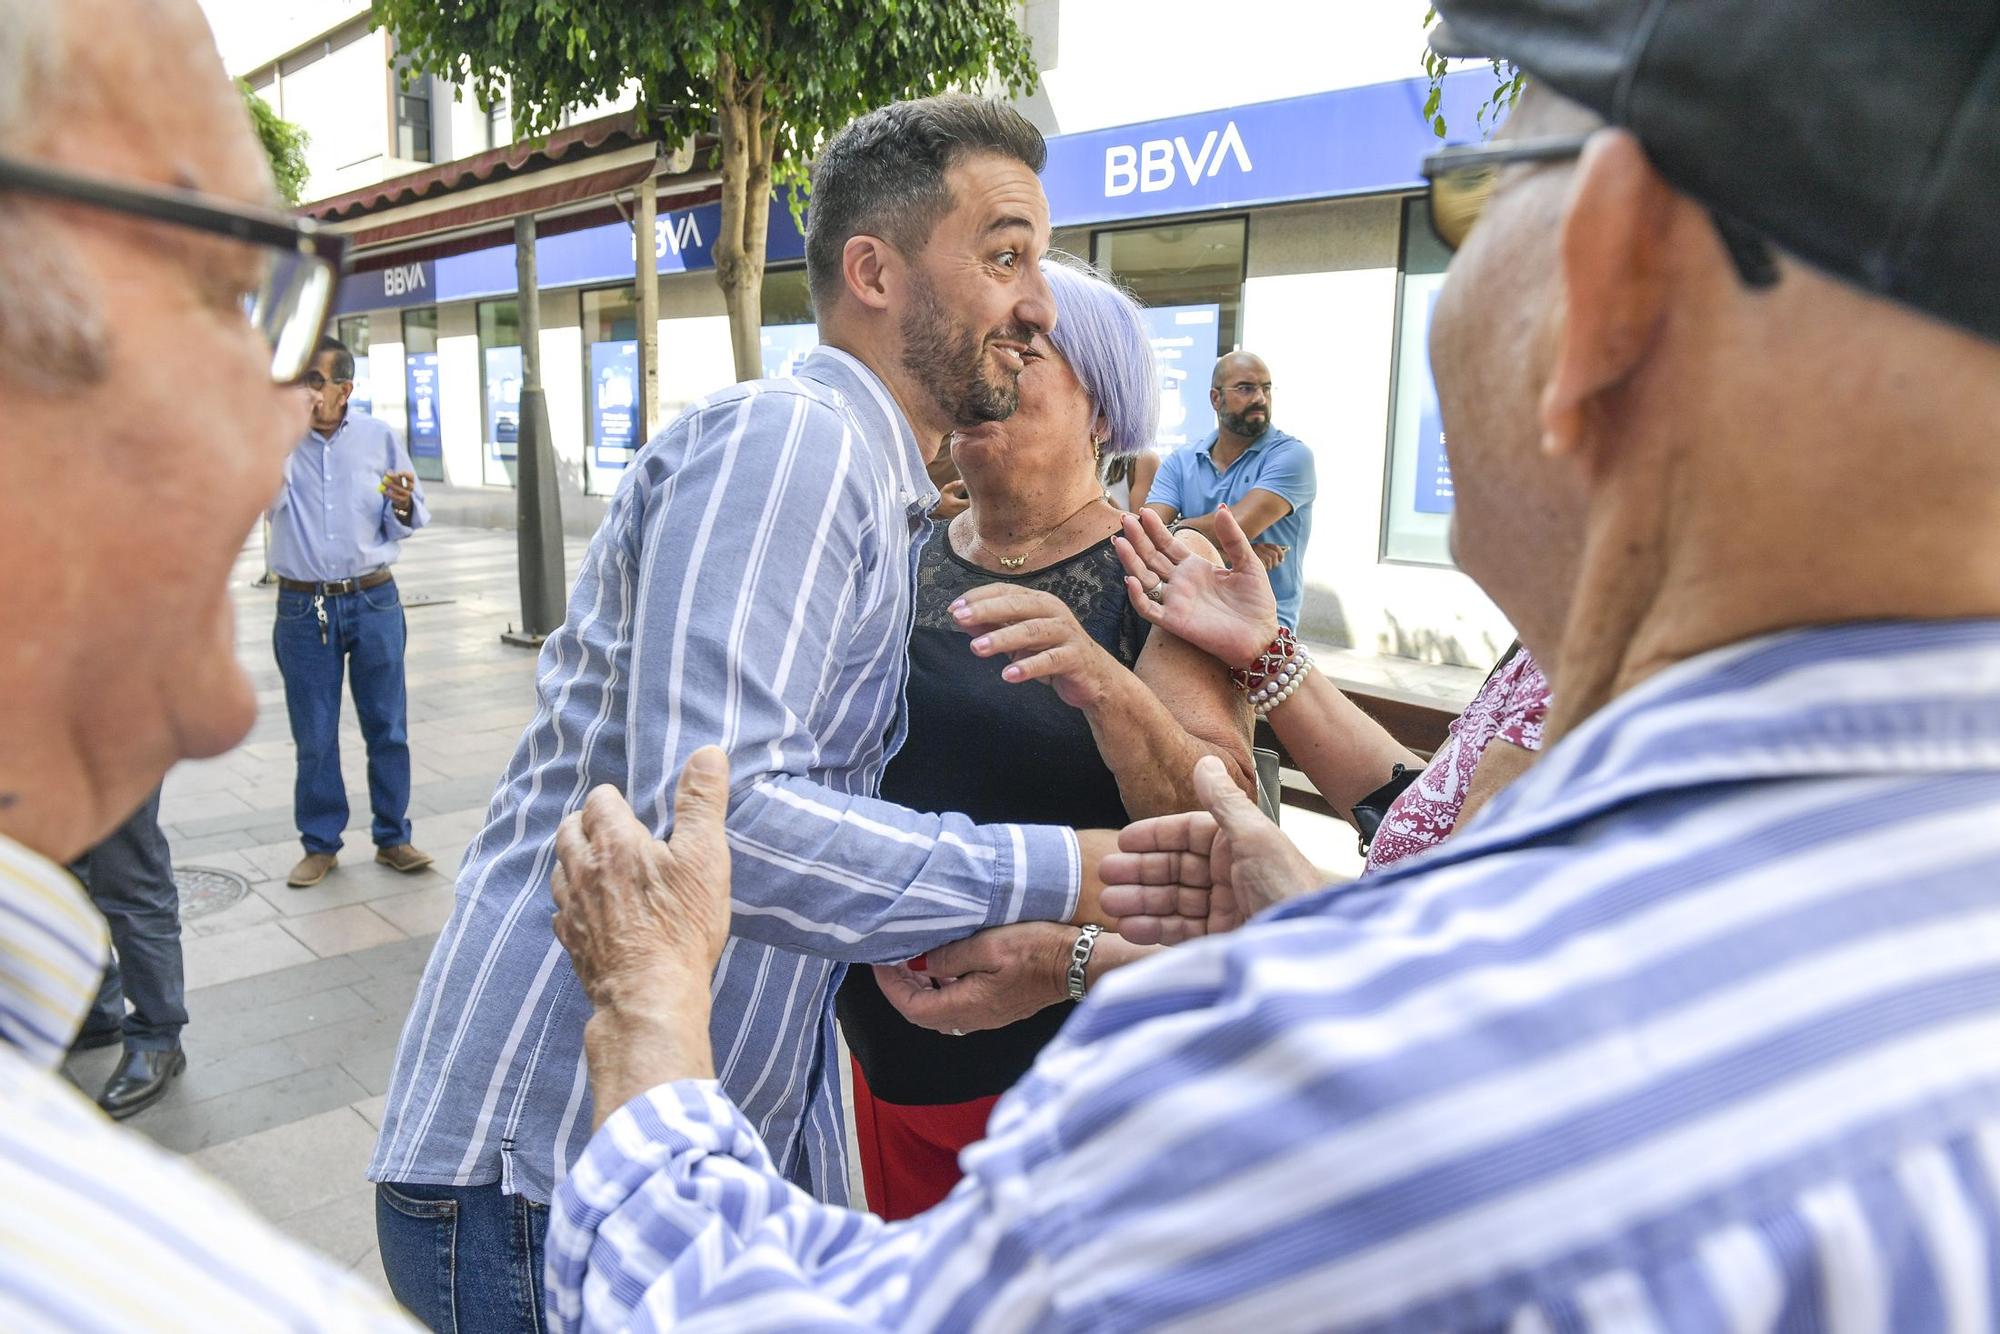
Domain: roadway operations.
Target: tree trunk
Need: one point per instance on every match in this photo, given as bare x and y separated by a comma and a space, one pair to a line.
746, 207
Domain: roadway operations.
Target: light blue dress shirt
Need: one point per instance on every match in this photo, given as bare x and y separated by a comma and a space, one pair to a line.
331, 519
1695, 1027
751, 587
1276, 462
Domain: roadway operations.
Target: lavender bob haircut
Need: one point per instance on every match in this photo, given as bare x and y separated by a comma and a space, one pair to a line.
1102, 336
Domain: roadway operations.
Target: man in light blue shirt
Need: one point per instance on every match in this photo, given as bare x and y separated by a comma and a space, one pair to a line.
350, 498
1264, 475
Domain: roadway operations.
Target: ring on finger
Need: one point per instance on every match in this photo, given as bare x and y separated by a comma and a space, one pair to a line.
958, 1032
1158, 592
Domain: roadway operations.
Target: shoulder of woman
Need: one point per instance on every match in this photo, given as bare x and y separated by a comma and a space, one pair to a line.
1199, 545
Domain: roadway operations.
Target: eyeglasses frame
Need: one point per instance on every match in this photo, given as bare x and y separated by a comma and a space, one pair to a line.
1751, 255
187, 208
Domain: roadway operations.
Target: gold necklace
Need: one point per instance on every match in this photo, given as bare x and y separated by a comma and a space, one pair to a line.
1016, 562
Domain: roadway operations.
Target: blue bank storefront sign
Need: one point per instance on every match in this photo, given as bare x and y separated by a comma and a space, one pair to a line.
1347, 142
1351, 141
683, 242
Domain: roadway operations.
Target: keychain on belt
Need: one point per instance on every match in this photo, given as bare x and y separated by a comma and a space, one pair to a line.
319, 610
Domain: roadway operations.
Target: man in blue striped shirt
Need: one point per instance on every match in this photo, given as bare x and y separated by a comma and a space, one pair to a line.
751, 587
1697, 1026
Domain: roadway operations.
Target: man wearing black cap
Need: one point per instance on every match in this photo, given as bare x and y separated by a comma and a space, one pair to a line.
1697, 1027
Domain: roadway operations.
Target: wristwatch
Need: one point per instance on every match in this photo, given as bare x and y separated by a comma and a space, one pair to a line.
1079, 958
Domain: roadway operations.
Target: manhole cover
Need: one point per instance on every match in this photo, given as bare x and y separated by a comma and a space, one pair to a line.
205, 890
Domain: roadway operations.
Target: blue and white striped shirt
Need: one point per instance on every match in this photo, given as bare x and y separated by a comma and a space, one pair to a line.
99, 1229
751, 587
1696, 1028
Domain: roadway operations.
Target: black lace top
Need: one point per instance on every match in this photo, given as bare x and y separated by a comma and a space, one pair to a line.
997, 752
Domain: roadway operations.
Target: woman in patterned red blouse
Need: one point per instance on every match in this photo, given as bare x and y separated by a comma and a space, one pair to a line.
1349, 757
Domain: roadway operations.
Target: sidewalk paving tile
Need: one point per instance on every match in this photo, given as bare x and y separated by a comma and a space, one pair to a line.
342, 930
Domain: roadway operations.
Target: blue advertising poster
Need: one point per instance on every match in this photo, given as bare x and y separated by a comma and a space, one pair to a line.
1184, 351
362, 400
503, 401
421, 368
614, 391
785, 346
1434, 489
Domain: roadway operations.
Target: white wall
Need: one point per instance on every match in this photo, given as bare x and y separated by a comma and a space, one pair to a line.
460, 409
250, 33
1319, 306
1116, 61
695, 356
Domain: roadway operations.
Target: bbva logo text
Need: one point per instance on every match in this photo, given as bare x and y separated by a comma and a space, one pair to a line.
1157, 163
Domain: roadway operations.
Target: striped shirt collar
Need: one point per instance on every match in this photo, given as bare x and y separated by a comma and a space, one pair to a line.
52, 953
1864, 698
845, 372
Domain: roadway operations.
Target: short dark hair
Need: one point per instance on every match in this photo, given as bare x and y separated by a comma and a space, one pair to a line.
343, 360
883, 175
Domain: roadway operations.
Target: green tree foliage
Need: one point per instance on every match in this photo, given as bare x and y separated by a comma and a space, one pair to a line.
769, 79
1508, 81
284, 143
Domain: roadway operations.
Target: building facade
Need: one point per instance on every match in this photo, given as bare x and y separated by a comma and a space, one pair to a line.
1253, 179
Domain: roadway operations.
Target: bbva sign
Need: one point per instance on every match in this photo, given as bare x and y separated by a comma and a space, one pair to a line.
402, 279
1158, 164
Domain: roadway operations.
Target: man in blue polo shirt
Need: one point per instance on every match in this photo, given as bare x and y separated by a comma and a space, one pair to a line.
1264, 475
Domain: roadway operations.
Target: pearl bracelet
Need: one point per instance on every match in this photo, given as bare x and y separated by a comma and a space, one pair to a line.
1283, 684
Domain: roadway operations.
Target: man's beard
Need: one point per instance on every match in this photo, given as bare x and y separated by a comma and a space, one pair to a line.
1239, 424
949, 361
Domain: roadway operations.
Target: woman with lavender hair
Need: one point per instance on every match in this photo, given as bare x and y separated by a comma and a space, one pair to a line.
1068, 709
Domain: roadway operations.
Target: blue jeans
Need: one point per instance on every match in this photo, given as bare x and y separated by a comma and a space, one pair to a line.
463, 1258
130, 876
364, 635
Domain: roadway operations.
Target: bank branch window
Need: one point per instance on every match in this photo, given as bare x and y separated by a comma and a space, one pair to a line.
353, 331
424, 430
1417, 508
611, 380
788, 333
500, 373
1189, 275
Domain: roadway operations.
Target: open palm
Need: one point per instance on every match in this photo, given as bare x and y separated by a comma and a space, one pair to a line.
1229, 613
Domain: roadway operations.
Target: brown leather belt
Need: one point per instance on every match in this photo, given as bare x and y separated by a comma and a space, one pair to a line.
338, 587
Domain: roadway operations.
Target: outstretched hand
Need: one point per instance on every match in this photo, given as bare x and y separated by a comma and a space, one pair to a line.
1181, 876
1230, 614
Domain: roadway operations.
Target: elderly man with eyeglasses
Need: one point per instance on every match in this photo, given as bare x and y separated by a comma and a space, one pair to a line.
349, 499
153, 309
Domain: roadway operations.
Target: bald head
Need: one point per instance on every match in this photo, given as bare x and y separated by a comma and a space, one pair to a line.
1240, 393
1238, 365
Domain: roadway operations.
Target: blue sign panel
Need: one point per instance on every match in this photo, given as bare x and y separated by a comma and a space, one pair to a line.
1350, 141
1184, 352
503, 401
384, 289
683, 242
362, 400
614, 392
1434, 489
421, 368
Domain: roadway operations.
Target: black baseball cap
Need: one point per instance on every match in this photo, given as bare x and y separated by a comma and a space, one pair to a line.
1861, 136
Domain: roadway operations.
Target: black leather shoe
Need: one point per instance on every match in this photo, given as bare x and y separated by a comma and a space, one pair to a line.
140, 1081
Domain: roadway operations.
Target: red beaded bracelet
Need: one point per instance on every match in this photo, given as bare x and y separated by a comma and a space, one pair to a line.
1271, 661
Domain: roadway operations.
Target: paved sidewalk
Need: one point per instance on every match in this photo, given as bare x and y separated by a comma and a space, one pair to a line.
296, 997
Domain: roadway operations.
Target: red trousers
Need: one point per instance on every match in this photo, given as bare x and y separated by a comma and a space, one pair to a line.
909, 1155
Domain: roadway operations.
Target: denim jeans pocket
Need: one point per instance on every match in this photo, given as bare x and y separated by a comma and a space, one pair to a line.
419, 1246
292, 605
382, 597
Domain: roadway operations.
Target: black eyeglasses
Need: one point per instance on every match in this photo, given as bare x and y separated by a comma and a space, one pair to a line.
1462, 179
299, 265
314, 380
